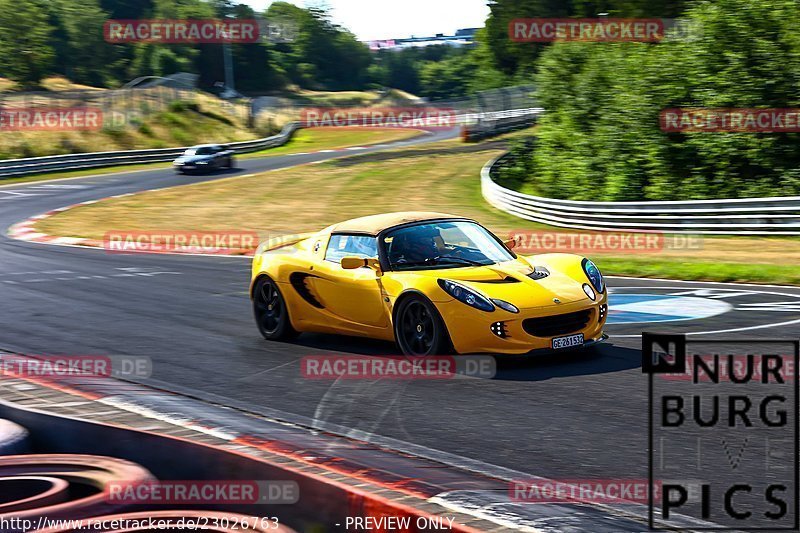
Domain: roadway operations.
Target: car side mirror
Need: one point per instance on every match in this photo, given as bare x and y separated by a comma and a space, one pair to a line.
352, 263
511, 244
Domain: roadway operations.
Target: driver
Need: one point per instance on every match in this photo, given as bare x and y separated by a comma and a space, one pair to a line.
416, 245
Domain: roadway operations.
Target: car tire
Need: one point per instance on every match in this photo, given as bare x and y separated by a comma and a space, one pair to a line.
271, 312
419, 329
231, 163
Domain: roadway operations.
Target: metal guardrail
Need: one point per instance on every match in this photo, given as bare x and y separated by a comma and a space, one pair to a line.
485, 124
745, 216
34, 165
482, 125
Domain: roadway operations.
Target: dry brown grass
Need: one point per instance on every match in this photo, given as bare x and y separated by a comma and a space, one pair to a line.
442, 177
307, 198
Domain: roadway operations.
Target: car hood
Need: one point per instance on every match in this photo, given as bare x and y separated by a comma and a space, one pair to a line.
511, 281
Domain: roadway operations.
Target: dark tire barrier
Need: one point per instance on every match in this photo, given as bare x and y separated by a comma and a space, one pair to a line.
30, 492
61, 486
176, 521
14, 439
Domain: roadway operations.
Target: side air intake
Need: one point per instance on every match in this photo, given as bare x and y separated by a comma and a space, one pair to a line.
298, 281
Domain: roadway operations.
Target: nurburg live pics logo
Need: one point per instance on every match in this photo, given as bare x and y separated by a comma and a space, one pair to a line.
723, 427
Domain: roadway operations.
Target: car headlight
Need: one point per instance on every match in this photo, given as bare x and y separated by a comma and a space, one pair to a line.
466, 295
201, 162
593, 275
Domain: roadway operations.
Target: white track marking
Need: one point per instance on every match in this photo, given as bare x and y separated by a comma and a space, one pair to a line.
704, 282
29, 183
718, 331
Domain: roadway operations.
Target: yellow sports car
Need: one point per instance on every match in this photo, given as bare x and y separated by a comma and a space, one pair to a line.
431, 282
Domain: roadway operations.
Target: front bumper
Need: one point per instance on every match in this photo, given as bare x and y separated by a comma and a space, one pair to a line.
549, 351
473, 331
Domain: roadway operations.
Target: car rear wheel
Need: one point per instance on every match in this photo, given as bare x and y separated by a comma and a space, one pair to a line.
231, 163
419, 329
271, 313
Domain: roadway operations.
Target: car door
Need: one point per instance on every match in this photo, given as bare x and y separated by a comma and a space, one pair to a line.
355, 296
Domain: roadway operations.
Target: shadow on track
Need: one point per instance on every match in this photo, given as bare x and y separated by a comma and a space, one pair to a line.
598, 360
213, 173
321, 343
601, 359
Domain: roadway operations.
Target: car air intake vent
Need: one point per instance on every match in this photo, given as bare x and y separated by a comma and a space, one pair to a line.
298, 281
550, 326
507, 279
539, 273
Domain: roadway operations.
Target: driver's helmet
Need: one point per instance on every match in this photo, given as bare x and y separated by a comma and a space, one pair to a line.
416, 244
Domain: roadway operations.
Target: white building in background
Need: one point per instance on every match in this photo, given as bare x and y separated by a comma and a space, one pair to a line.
463, 37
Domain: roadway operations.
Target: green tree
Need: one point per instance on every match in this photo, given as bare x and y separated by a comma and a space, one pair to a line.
447, 78
82, 54
601, 139
324, 55
25, 51
519, 59
155, 59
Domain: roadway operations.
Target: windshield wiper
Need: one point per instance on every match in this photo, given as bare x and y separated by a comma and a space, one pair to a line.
436, 261
458, 260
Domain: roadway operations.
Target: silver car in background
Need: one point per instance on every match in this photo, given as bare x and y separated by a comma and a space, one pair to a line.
204, 158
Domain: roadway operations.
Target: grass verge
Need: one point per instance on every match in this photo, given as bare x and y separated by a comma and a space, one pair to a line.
333, 138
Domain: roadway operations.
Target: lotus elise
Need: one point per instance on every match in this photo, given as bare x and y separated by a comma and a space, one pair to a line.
432, 283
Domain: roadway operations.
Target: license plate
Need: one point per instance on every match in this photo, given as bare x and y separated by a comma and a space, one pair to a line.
568, 342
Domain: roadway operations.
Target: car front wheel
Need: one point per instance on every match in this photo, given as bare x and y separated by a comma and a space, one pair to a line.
419, 329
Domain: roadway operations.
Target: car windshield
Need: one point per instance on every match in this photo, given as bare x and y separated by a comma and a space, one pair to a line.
443, 245
202, 150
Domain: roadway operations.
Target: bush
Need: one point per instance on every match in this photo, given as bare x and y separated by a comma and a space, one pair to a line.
600, 138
